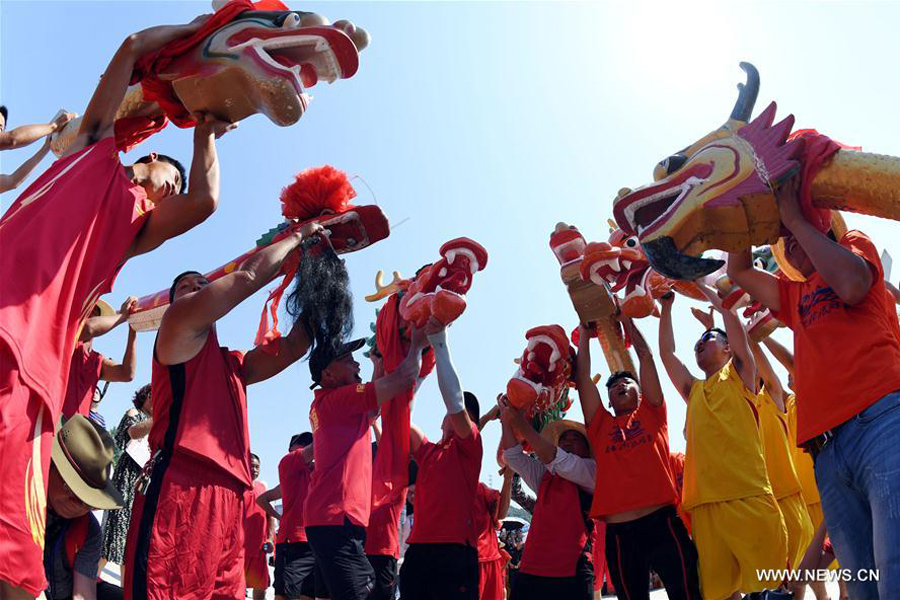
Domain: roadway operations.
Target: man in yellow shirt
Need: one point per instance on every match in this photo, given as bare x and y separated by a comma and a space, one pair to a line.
779, 461
737, 526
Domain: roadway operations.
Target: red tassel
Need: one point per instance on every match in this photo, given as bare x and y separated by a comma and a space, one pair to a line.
265, 334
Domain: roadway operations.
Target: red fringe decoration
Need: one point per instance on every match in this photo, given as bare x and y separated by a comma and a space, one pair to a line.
316, 190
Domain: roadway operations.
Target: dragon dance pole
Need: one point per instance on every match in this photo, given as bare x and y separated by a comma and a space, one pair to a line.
594, 303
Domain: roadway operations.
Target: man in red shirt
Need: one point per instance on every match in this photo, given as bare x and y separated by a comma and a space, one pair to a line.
192, 505
259, 535
339, 502
636, 493
557, 559
296, 574
89, 366
441, 561
847, 377
62, 242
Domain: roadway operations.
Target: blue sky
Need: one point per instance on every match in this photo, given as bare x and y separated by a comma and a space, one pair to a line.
491, 120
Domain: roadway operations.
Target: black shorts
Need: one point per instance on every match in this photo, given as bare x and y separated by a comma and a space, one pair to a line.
342, 560
578, 587
439, 572
385, 567
296, 572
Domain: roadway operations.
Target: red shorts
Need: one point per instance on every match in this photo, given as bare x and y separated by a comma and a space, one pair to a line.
256, 571
492, 581
186, 538
26, 438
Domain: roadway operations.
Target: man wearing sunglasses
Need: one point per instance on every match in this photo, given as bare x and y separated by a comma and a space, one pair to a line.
736, 524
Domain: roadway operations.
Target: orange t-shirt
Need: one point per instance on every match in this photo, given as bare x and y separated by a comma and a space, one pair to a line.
845, 357
632, 453
803, 462
779, 463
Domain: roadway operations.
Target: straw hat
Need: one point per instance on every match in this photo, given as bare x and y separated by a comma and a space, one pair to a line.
83, 455
553, 430
105, 309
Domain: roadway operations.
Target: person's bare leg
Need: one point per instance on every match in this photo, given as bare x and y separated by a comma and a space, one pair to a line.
259, 594
818, 588
8, 592
843, 588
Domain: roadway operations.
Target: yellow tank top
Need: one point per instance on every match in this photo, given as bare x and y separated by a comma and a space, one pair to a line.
724, 458
779, 464
803, 462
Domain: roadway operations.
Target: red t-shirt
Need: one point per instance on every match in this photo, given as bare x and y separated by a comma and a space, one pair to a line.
341, 483
559, 532
633, 465
205, 400
383, 532
256, 521
84, 373
487, 505
293, 476
845, 357
62, 241
444, 506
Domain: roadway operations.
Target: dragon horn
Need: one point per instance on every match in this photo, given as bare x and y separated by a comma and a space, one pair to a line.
612, 225
747, 93
383, 291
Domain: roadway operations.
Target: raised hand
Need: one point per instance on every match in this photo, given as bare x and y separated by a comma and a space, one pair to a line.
788, 197
705, 318
207, 123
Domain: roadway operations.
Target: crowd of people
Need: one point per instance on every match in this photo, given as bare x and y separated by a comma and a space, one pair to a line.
776, 475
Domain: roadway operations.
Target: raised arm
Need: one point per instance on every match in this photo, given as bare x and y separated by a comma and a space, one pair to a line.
185, 323
28, 134
173, 215
737, 340
588, 394
265, 500
767, 373
848, 275
405, 375
651, 389
11, 182
761, 285
448, 380
781, 354
99, 116
101, 325
124, 371
679, 375
489, 416
505, 493
261, 363
543, 449
139, 430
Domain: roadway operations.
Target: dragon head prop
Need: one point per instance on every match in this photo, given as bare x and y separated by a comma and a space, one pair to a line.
241, 62
263, 62
321, 195
716, 193
541, 382
439, 289
621, 264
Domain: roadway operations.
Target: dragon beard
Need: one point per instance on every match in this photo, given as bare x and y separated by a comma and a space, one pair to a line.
321, 298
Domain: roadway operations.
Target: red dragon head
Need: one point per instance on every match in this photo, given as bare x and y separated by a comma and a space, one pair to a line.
717, 193
621, 264
545, 369
440, 289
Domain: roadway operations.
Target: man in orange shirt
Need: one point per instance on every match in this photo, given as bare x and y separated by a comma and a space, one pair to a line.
847, 373
636, 493
737, 526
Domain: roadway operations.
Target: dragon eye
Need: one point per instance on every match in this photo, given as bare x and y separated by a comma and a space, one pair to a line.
759, 264
674, 162
631, 242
